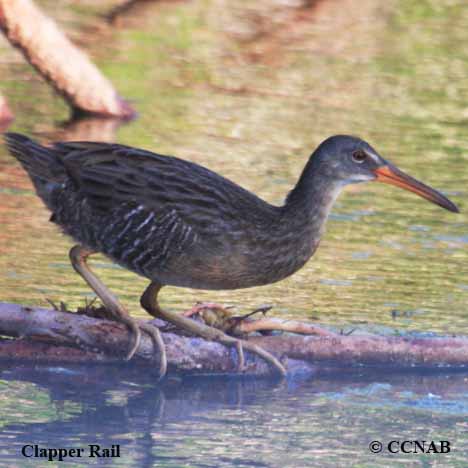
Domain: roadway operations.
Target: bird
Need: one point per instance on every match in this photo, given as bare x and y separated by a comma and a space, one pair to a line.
178, 223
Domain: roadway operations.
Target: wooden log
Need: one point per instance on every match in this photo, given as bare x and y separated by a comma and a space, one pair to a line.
59, 61
53, 336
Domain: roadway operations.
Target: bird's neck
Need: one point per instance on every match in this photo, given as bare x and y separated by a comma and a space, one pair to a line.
308, 205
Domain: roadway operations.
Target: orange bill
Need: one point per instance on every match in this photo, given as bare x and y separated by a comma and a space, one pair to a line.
391, 175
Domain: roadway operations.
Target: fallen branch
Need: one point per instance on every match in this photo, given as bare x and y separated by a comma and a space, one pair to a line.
52, 336
59, 61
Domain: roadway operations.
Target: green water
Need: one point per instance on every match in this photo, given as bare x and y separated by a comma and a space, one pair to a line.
254, 110
249, 89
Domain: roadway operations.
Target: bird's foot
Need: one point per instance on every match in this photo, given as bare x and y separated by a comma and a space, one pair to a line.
240, 345
214, 329
199, 328
215, 334
159, 348
222, 317
240, 357
116, 311
135, 328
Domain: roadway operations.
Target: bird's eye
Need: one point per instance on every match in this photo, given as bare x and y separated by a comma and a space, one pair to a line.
359, 156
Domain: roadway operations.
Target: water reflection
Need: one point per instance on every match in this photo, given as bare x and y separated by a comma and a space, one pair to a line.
227, 421
87, 128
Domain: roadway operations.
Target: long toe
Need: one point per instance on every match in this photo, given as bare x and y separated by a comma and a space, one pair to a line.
265, 355
214, 334
159, 348
135, 337
240, 357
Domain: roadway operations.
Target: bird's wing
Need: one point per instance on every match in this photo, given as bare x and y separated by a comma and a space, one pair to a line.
110, 176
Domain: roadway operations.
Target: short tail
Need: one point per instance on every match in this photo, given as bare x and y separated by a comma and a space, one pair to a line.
42, 164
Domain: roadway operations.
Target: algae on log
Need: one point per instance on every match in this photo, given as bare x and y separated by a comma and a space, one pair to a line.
50, 336
59, 61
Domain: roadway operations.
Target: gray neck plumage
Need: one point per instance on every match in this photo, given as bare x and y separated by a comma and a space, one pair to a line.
308, 205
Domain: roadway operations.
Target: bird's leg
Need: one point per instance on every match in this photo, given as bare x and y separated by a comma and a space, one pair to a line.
78, 256
149, 301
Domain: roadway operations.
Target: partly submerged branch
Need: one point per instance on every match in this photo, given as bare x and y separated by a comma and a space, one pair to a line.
53, 336
59, 61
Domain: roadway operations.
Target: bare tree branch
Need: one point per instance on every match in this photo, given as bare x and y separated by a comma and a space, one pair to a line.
52, 336
59, 61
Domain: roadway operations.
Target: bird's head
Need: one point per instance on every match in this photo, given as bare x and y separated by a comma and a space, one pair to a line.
349, 160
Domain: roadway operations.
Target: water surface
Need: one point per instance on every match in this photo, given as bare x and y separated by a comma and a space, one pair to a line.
203, 94
327, 420
249, 91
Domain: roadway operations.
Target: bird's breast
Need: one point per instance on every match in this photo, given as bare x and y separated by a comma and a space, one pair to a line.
240, 265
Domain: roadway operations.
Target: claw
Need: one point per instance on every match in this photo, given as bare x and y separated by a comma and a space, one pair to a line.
150, 304
240, 355
156, 338
158, 345
116, 312
136, 335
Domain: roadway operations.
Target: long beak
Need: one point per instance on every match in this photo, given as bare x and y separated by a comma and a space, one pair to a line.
389, 174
